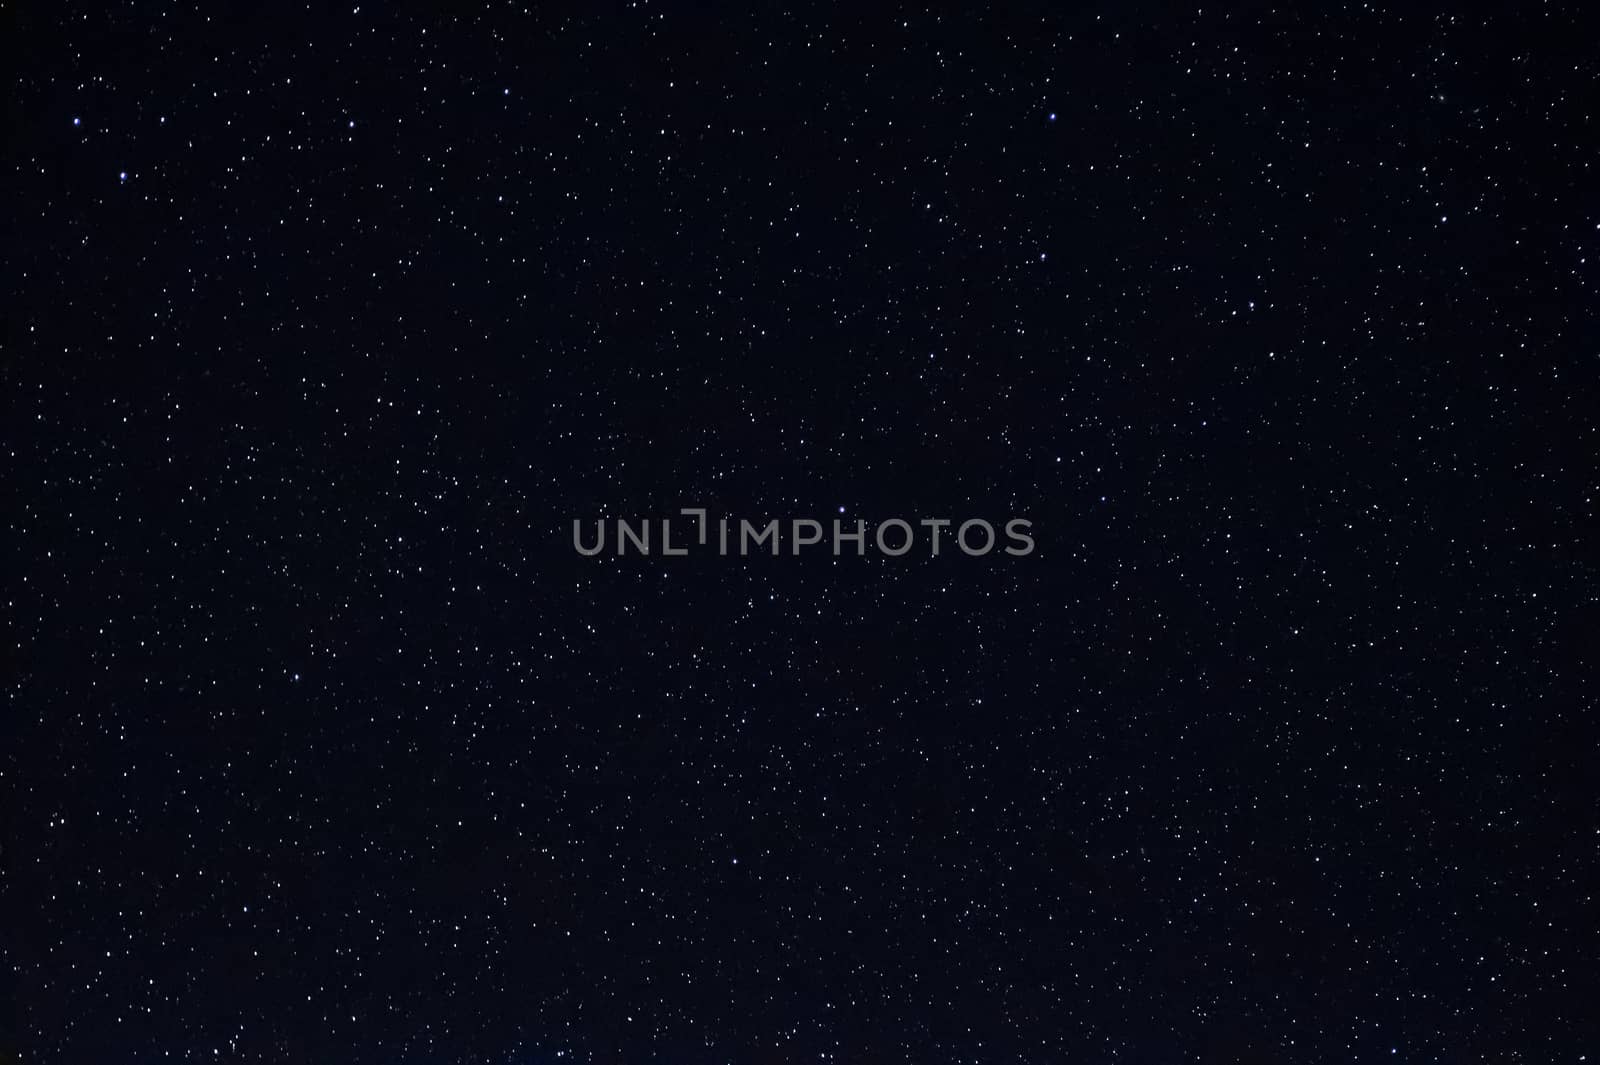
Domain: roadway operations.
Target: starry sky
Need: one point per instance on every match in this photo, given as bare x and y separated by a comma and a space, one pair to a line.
322, 324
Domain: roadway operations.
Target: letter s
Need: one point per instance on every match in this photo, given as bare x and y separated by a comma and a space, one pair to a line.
1020, 537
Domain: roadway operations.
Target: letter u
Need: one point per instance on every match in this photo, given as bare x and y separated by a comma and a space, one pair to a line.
600, 538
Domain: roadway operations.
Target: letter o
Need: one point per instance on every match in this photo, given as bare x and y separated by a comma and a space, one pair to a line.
988, 532
910, 536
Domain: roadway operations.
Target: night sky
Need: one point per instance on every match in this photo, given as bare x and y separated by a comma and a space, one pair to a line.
322, 325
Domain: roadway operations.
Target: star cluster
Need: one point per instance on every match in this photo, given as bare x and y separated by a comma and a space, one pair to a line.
321, 743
